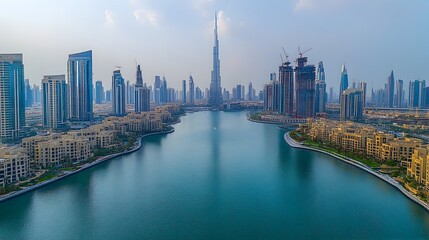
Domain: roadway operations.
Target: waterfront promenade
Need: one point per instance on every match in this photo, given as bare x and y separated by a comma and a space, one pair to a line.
361, 166
136, 147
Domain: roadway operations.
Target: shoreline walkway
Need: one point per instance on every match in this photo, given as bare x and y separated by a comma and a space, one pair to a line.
361, 166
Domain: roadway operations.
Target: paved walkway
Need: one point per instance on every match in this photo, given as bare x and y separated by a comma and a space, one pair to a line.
362, 166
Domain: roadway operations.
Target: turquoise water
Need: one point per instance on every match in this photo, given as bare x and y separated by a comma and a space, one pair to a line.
218, 176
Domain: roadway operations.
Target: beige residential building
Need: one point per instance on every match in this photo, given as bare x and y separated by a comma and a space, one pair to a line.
374, 144
400, 149
59, 151
14, 165
418, 168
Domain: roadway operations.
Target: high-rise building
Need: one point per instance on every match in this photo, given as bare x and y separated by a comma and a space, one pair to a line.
344, 83
118, 93
157, 90
331, 94
141, 94
305, 88
164, 92
36, 94
362, 86
416, 93
399, 93
271, 96
286, 88
239, 93
250, 94
184, 92
28, 93
191, 91
54, 101
12, 97
79, 72
198, 94
351, 105
320, 92
390, 90
215, 98
108, 95
99, 92
172, 94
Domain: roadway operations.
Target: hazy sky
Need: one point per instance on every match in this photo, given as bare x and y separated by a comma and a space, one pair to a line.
175, 38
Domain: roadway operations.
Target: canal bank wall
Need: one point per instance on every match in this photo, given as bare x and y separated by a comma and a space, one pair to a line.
82, 168
361, 166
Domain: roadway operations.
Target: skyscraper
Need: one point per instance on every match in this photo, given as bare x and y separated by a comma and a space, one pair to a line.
320, 85
118, 93
416, 93
142, 94
362, 86
54, 101
286, 88
239, 93
351, 105
399, 93
215, 98
191, 91
79, 71
164, 93
28, 93
250, 92
99, 92
344, 83
390, 90
184, 92
157, 89
12, 97
304, 88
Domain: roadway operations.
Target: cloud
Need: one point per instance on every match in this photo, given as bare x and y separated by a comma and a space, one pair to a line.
223, 22
108, 18
147, 16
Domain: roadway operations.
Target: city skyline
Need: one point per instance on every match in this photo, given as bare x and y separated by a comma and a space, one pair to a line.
148, 24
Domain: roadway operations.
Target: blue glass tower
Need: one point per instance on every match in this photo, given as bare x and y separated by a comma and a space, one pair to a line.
390, 90
12, 97
118, 93
79, 71
344, 84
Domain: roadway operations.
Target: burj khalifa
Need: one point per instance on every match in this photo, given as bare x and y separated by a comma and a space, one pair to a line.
215, 98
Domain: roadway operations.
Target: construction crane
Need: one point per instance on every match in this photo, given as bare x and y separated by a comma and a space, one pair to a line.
302, 53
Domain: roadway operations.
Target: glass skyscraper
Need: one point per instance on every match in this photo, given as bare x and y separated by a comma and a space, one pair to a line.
286, 89
390, 90
305, 88
320, 98
118, 93
99, 92
79, 71
344, 83
54, 101
12, 97
351, 105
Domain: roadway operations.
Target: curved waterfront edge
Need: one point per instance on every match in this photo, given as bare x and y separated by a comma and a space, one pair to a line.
361, 166
84, 167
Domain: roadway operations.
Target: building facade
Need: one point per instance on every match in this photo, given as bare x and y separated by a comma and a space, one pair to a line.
12, 95
118, 94
79, 72
54, 101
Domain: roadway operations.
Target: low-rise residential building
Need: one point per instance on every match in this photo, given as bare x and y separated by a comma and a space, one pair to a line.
14, 165
418, 169
66, 149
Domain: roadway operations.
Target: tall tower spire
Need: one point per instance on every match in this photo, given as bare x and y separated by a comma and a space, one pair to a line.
215, 98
